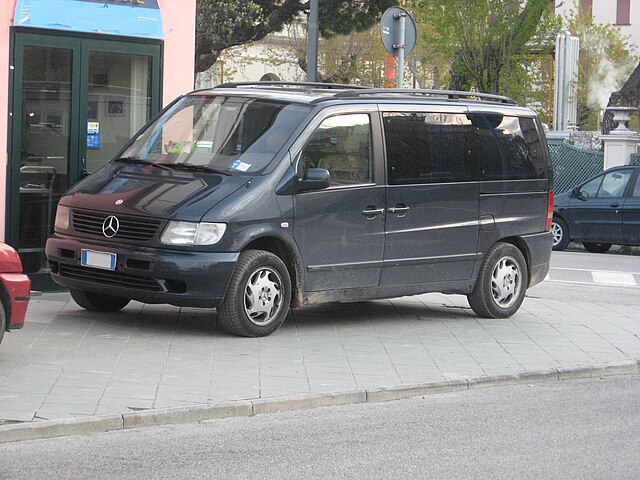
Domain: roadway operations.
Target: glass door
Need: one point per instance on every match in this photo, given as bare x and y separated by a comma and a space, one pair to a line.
44, 139
76, 102
122, 94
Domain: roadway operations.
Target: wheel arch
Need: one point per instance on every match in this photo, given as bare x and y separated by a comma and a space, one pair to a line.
521, 245
289, 257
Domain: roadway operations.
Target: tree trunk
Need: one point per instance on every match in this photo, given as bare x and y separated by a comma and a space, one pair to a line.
628, 96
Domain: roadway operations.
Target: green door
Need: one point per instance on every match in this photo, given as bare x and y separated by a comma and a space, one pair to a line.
75, 102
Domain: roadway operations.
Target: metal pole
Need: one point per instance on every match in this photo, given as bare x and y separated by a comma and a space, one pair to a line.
312, 50
400, 46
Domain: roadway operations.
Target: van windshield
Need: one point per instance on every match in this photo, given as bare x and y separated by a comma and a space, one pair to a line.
222, 133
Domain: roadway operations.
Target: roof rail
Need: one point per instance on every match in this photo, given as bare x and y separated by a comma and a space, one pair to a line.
450, 94
318, 85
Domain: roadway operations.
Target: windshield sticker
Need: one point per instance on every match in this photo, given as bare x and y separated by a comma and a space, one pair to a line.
240, 165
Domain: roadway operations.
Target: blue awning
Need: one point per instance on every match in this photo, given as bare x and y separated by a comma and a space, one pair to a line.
137, 18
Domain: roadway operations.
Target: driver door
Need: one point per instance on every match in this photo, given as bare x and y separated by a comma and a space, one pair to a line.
596, 214
340, 229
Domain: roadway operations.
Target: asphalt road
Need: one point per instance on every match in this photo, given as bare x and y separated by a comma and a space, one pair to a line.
571, 430
582, 276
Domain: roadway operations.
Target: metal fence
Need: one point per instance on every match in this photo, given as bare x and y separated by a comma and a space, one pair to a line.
635, 159
572, 165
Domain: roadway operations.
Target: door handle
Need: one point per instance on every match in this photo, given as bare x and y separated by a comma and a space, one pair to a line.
614, 205
399, 209
371, 212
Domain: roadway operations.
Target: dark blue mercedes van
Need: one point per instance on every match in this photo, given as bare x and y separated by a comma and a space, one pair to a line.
258, 198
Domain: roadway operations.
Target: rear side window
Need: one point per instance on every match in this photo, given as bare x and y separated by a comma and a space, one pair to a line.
429, 147
509, 148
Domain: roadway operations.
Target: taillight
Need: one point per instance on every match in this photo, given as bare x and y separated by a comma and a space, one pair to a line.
547, 226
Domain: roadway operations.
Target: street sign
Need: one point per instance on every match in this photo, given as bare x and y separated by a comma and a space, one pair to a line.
398, 33
390, 31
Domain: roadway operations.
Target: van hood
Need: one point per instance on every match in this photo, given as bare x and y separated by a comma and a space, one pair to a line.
152, 192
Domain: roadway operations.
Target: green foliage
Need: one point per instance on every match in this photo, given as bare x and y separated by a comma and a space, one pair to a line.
221, 24
488, 43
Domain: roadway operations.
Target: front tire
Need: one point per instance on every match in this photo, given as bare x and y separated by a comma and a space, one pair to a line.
259, 294
560, 233
98, 302
501, 284
596, 247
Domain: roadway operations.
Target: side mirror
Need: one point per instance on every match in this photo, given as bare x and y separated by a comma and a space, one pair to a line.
315, 179
579, 194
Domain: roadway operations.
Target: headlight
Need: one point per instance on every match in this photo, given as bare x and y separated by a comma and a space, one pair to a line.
62, 217
192, 233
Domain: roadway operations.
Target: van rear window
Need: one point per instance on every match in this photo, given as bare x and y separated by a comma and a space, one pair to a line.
509, 148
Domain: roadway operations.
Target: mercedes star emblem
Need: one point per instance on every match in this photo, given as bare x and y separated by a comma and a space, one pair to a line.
110, 226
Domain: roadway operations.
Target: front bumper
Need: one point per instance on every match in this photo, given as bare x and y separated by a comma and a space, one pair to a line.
145, 274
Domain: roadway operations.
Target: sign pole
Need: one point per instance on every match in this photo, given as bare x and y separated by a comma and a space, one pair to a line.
312, 50
400, 46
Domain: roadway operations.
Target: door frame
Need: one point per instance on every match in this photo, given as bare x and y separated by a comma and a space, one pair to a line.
81, 45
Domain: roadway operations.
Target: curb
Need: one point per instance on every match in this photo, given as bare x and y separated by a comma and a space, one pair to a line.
248, 408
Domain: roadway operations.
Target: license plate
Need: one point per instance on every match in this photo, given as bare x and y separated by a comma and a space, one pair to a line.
104, 260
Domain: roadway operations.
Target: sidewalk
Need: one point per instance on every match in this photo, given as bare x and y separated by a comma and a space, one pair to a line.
68, 362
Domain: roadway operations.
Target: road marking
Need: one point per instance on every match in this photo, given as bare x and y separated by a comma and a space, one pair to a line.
591, 270
594, 277
613, 278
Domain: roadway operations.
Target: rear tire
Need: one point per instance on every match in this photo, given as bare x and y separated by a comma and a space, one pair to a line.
560, 233
596, 247
258, 297
501, 284
98, 302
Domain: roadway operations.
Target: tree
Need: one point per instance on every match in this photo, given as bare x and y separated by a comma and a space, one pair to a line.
221, 24
485, 41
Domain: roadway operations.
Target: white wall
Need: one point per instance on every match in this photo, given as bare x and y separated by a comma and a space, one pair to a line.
604, 11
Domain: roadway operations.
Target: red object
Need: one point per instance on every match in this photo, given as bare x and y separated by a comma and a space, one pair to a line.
549, 211
390, 72
15, 287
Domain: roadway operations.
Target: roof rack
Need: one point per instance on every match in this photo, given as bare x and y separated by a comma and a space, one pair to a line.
450, 94
315, 85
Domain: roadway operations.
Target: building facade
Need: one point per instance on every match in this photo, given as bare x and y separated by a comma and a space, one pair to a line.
79, 78
625, 14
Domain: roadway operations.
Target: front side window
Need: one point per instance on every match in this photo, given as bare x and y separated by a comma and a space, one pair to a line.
429, 147
224, 133
341, 144
590, 189
636, 190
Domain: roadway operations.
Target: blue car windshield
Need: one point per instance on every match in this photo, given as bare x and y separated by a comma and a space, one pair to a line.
224, 133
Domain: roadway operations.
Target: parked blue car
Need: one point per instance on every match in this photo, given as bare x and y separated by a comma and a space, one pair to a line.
600, 212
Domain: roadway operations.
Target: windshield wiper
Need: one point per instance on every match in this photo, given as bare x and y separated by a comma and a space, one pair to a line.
195, 168
140, 161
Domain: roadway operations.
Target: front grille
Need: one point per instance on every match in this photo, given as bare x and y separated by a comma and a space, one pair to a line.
109, 277
138, 229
